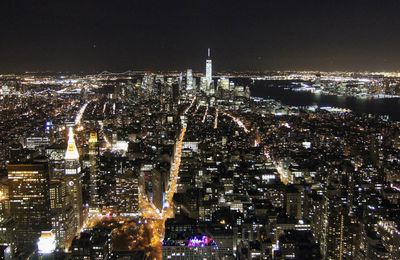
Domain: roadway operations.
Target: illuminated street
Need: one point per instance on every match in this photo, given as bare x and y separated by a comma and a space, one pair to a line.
154, 219
237, 121
78, 118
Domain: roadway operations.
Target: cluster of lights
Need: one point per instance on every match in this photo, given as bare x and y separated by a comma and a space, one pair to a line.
153, 218
190, 106
238, 122
205, 114
201, 241
216, 119
46, 243
81, 111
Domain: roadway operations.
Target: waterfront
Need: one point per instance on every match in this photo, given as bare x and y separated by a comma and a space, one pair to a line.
282, 91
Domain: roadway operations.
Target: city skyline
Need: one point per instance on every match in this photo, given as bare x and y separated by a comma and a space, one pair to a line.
204, 158
197, 165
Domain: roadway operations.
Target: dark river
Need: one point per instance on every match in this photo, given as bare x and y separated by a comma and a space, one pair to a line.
276, 90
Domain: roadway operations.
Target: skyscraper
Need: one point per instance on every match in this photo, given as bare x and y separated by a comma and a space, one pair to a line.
29, 202
62, 218
94, 172
158, 179
292, 202
127, 191
203, 84
208, 69
4, 199
72, 176
189, 79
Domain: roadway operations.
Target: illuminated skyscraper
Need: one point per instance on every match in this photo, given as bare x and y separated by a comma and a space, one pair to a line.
223, 83
93, 140
127, 192
63, 220
208, 69
189, 79
72, 176
29, 202
94, 173
203, 84
72, 154
4, 199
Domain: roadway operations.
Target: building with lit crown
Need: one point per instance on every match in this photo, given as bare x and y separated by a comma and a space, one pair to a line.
73, 178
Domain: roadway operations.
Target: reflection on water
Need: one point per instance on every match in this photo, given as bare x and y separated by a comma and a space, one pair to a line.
280, 91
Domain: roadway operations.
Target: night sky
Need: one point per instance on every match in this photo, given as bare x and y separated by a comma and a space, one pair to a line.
116, 35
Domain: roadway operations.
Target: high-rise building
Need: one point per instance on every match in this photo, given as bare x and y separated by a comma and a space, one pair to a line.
55, 154
189, 80
63, 219
334, 219
292, 202
203, 84
175, 94
29, 202
208, 69
94, 172
223, 84
159, 184
6, 222
4, 199
72, 154
127, 192
93, 143
73, 178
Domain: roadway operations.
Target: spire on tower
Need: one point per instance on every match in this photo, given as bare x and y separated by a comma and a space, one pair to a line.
208, 70
72, 152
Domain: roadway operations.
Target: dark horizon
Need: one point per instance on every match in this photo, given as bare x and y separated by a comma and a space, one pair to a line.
95, 36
